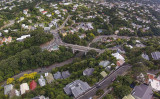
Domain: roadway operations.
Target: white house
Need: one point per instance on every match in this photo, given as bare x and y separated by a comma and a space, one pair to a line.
23, 88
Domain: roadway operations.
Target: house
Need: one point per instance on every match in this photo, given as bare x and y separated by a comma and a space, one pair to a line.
23, 37
7, 89
23, 88
0, 34
13, 93
64, 34
153, 82
50, 25
40, 10
33, 85
21, 18
155, 55
82, 36
145, 56
141, 78
128, 97
44, 12
40, 97
41, 24
65, 74
142, 92
42, 81
54, 48
25, 11
58, 75
6, 31
120, 62
57, 12
6, 40
49, 78
103, 73
104, 63
88, 71
140, 45
118, 56
76, 88
47, 29
99, 30
49, 15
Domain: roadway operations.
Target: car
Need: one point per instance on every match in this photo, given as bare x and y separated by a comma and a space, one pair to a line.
113, 79
97, 85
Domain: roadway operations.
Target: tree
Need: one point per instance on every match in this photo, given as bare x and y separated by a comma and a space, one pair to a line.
10, 80
109, 96
99, 92
122, 91
91, 54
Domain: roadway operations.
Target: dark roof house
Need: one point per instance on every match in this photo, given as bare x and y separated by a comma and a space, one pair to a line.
88, 71
76, 88
155, 55
142, 92
58, 75
65, 74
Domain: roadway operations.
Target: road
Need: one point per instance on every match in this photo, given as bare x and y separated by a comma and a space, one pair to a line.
104, 82
46, 69
11, 22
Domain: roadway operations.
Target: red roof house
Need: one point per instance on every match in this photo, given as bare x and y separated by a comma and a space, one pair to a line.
33, 85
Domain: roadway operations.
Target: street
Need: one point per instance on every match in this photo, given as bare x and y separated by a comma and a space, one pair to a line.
104, 82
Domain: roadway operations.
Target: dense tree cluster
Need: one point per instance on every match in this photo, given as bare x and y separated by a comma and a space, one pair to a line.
31, 58
37, 38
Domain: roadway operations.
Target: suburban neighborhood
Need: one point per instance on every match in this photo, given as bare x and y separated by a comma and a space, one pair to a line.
79, 49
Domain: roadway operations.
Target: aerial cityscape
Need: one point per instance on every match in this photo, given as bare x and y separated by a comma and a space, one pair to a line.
79, 49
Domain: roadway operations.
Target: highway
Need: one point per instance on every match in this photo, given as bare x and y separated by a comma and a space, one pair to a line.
104, 82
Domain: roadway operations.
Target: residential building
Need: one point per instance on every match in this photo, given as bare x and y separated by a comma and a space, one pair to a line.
23, 37
104, 63
103, 73
42, 81
47, 29
40, 97
118, 56
58, 75
76, 88
7, 89
145, 56
23, 88
49, 78
141, 78
153, 82
33, 85
128, 97
13, 93
88, 71
65, 74
155, 55
142, 92
120, 62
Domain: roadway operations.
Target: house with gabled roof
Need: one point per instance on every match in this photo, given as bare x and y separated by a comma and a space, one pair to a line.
7, 89
23, 88
49, 78
88, 71
142, 92
32, 85
42, 81
65, 74
76, 88
58, 75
